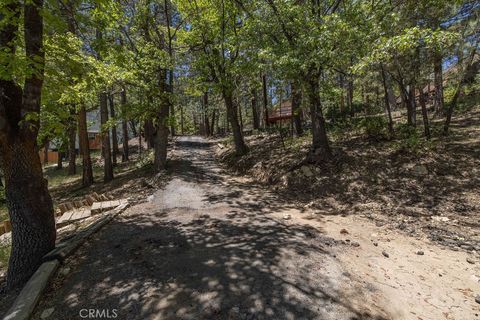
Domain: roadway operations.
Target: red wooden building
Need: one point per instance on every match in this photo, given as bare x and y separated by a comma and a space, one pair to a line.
281, 113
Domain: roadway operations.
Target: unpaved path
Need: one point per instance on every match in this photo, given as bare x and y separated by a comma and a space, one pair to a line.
213, 246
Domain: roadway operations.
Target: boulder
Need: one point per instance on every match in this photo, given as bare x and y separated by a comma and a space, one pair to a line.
420, 170
307, 171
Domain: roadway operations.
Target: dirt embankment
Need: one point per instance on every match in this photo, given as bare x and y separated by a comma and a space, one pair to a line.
432, 192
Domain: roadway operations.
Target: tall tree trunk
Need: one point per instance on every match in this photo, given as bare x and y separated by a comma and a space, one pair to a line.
403, 96
388, 101
182, 120
133, 127
87, 171
46, 147
123, 102
161, 137
239, 108
320, 150
72, 137
140, 147
29, 202
391, 94
68, 12
30, 208
296, 108
256, 122
341, 81
172, 105
106, 148
439, 104
161, 134
214, 120
423, 105
115, 150
265, 99
149, 132
412, 106
60, 160
350, 97
206, 124
232, 115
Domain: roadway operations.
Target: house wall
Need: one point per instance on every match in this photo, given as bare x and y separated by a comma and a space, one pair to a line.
95, 143
52, 156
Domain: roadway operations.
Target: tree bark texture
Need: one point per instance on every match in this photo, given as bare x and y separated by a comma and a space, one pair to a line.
28, 200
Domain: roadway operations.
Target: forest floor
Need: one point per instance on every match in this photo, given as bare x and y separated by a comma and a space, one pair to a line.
423, 188
210, 245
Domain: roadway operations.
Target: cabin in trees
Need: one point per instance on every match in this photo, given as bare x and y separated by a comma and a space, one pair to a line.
94, 140
280, 114
48, 156
51, 154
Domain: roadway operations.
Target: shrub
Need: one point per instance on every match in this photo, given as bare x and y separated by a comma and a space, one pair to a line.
373, 126
411, 139
146, 159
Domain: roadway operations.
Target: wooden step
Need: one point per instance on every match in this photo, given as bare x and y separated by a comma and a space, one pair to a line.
99, 207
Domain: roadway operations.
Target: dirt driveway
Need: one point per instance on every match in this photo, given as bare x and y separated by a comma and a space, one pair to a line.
213, 246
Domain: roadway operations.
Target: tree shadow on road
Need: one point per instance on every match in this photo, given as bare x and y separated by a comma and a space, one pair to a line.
233, 267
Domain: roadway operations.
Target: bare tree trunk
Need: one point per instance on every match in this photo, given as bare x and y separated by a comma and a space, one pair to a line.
341, 82
256, 122
412, 106
140, 147
30, 209
387, 102
46, 147
239, 108
115, 150
391, 94
72, 136
161, 137
206, 124
124, 126
149, 132
232, 114
423, 105
214, 120
172, 106
350, 98
320, 149
29, 202
106, 149
59, 160
133, 127
296, 108
265, 99
87, 171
